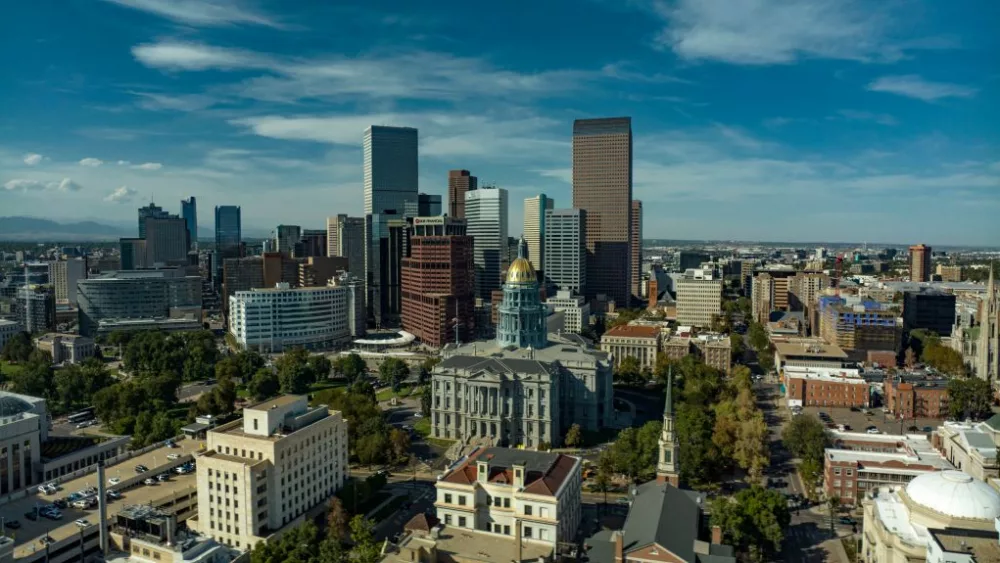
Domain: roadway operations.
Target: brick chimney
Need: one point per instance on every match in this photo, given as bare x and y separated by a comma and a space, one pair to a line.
716, 535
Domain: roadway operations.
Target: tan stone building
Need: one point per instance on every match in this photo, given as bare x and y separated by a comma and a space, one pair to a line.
716, 351
68, 348
265, 470
640, 342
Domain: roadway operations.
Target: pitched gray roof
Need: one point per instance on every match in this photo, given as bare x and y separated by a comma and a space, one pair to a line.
994, 422
498, 365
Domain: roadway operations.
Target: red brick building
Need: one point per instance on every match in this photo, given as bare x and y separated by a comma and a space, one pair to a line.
826, 391
916, 395
438, 282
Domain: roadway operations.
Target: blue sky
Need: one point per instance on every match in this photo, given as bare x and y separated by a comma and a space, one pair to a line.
753, 119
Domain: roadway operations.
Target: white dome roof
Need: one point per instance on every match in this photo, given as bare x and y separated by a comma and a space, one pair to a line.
955, 493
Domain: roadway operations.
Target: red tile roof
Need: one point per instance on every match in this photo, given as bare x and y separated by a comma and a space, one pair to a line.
635, 331
535, 482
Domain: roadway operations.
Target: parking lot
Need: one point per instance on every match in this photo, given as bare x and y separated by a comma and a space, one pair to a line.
29, 534
859, 421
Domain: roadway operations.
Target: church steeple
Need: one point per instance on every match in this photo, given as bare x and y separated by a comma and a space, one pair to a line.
667, 468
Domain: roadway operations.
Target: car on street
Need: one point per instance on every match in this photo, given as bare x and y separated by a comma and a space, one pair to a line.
150, 481
114, 481
82, 522
913, 429
51, 514
928, 429
30, 515
872, 430
141, 468
114, 495
12, 524
60, 503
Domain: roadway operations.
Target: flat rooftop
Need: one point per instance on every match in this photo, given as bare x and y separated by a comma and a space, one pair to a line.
634, 331
31, 531
980, 544
277, 402
809, 348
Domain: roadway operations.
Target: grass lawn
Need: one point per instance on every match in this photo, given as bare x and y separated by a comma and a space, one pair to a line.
389, 508
423, 426
373, 501
8, 369
440, 442
404, 392
851, 547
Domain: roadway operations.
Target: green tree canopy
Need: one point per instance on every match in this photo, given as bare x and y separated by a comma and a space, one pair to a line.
629, 372
18, 348
753, 520
264, 384
970, 398
350, 366
294, 371
393, 371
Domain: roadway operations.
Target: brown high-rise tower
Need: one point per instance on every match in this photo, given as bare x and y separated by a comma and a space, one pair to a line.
459, 182
636, 249
920, 263
602, 186
438, 279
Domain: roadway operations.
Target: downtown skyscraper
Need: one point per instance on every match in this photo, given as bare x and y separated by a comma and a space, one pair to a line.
486, 213
534, 228
602, 186
459, 182
189, 212
390, 168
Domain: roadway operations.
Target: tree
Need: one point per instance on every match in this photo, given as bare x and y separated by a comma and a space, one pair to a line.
336, 519
366, 549
399, 441
574, 436
605, 468
753, 520
294, 373
805, 437
810, 471
18, 348
636, 450
969, 398
228, 368
426, 367
425, 401
629, 371
76, 384
757, 336
320, 367
264, 384
737, 346
35, 377
944, 359
393, 371
350, 366
750, 450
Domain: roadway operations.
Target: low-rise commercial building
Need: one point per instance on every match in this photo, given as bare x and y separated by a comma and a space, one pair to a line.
278, 318
528, 496
639, 342
146, 534
24, 425
575, 309
859, 463
971, 447
262, 472
911, 395
826, 387
807, 352
138, 294
66, 348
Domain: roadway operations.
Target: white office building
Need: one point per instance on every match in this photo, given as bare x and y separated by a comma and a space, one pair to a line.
345, 236
575, 310
534, 228
24, 425
486, 212
534, 496
565, 243
277, 318
64, 274
699, 297
266, 470
390, 168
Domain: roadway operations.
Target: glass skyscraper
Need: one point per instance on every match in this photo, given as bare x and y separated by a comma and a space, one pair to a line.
390, 168
228, 232
189, 212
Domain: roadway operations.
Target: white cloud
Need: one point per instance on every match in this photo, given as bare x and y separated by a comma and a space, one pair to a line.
163, 102
91, 162
764, 32
123, 163
209, 13
913, 86
148, 166
420, 75
441, 134
25, 185
880, 118
32, 159
120, 195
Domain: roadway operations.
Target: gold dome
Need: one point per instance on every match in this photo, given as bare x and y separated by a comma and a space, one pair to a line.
521, 271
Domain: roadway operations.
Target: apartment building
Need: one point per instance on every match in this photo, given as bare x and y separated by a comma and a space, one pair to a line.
575, 310
716, 350
262, 472
949, 273
639, 342
826, 387
64, 274
277, 318
534, 496
859, 329
699, 298
910, 395
920, 263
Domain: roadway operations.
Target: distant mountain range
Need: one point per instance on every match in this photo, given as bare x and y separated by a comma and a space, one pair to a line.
45, 230
35, 229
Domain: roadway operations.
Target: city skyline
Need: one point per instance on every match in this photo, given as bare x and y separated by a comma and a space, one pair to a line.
881, 131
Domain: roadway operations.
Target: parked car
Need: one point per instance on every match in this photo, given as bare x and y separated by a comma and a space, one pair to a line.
12, 524
150, 481
846, 520
60, 503
872, 430
82, 522
30, 515
82, 504
173, 456
913, 429
52, 514
162, 477
114, 481
141, 468
928, 429
114, 495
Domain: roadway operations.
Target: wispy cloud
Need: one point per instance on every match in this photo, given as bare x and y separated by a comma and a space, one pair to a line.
163, 102
767, 32
913, 86
855, 115
21, 184
122, 194
32, 159
209, 13
413, 75
148, 166
91, 162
